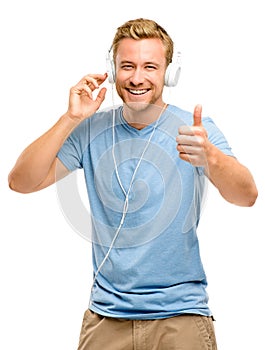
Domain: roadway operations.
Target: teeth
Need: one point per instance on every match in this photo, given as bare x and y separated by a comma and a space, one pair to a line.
138, 92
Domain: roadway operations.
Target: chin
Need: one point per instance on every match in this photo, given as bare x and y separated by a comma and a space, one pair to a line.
137, 106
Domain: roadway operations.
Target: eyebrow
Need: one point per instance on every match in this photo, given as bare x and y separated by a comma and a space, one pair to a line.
125, 61
145, 63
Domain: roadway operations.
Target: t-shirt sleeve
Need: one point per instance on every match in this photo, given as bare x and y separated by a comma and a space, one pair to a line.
216, 137
71, 152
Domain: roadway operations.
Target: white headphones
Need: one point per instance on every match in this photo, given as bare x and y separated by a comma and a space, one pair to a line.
171, 76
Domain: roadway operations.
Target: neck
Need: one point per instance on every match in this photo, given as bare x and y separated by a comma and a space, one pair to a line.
140, 116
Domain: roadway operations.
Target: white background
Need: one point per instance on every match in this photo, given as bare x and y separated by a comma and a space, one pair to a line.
46, 47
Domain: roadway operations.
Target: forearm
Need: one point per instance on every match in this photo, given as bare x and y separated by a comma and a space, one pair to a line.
36, 167
233, 180
34, 164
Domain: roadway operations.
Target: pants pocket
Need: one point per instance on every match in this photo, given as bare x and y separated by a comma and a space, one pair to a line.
90, 320
207, 332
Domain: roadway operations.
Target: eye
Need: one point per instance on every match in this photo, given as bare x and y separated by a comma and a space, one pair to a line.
150, 67
127, 66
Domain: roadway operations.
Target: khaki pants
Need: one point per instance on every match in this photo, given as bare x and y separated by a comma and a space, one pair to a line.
185, 332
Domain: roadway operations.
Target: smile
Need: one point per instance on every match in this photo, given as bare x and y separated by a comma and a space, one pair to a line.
138, 92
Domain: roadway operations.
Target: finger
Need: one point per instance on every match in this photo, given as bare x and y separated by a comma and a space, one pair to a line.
101, 96
189, 149
186, 140
87, 91
100, 77
94, 80
185, 130
197, 116
191, 158
90, 82
81, 89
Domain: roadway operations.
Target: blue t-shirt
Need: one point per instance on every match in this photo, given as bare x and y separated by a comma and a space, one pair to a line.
153, 269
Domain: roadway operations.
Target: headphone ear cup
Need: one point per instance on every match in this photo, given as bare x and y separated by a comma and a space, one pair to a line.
110, 69
172, 74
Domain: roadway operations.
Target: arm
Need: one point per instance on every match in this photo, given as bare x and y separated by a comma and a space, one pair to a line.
38, 166
233, 180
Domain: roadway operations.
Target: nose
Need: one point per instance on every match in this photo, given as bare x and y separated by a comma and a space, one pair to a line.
137, 77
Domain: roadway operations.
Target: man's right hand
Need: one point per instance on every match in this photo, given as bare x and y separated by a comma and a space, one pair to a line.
81, 102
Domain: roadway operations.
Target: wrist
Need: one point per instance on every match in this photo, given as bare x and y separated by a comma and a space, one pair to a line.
70, 119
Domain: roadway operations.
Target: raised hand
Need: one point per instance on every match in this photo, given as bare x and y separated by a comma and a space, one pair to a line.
192, 141
82, 104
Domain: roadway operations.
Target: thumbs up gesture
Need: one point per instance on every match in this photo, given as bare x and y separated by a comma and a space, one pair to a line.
192, 141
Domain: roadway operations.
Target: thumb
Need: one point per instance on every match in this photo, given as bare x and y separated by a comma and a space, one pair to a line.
197, 116
101, 96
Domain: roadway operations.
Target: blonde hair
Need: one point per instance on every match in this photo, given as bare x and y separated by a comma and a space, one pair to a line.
142, 28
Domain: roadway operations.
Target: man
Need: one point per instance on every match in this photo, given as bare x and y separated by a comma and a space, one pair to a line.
145, 165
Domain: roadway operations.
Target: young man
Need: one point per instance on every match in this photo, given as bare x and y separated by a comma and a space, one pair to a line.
145, 165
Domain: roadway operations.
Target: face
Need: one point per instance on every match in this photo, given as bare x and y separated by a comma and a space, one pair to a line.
140, 71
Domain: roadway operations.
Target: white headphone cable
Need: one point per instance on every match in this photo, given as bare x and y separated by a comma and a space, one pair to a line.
113, 142
126, 202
